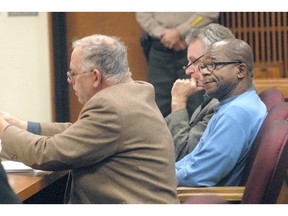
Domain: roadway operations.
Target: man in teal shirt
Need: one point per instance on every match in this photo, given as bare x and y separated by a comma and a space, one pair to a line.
220, 156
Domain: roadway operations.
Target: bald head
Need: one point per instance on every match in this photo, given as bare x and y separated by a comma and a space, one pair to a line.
234, 50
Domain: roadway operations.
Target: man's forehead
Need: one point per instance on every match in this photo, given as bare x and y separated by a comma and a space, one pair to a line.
212, 56
215, 51
194, 51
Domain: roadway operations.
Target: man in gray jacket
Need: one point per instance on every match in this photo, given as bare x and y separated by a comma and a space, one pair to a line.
168, 52
186, 132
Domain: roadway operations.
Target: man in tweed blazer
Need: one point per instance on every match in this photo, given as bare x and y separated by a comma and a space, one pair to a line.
119, 150
187, 131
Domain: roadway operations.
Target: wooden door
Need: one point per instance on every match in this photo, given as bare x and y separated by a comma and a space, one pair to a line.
120, 24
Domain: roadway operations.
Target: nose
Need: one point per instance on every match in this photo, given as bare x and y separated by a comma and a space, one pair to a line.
191, 70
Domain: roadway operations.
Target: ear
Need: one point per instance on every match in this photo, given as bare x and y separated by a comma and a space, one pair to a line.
97, 78
242, 71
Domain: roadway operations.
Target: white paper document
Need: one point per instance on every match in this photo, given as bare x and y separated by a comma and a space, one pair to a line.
14, 166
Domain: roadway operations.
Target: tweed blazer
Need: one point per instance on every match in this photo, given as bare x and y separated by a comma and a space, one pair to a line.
187, 132
120, 149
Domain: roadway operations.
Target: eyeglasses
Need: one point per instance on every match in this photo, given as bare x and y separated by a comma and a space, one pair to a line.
187, 66
71, 75
213, 65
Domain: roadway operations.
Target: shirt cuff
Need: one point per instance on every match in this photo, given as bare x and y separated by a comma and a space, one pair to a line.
34, 127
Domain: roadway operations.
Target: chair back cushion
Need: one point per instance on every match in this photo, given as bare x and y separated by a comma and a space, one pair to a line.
278, 112
271, 97
270, 165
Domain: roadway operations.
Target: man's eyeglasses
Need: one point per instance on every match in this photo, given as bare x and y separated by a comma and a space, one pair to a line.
213, 65
187, 66
71, 74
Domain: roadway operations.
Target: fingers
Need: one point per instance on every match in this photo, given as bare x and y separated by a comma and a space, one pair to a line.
184, 87
192, 82
5, 114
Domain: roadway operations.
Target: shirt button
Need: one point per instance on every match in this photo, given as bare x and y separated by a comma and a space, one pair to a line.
12, 156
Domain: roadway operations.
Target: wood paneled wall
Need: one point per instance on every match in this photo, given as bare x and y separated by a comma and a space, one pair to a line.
267, 34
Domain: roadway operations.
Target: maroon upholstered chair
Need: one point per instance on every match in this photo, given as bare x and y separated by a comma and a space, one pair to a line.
267, 172
271, 97
269, 167
205, 199
277, 112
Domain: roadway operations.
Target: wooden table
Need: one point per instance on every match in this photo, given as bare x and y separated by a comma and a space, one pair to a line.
27, 184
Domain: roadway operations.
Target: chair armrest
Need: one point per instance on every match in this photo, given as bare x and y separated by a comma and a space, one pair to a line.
232, 193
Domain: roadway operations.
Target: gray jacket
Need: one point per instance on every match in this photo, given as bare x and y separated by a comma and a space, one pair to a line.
187, 133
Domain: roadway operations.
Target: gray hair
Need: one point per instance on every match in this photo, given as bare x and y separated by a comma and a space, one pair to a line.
235, 50
106, 53
209, 34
